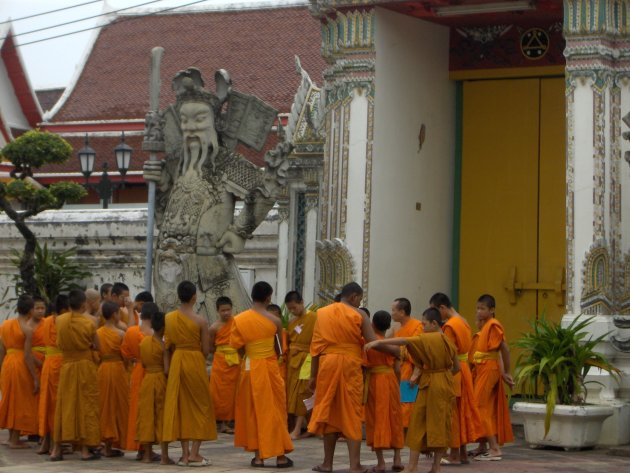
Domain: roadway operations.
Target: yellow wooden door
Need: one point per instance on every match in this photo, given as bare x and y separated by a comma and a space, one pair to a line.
512, 200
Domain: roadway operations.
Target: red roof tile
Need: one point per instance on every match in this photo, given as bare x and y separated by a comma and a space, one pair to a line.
257, 48
48, 97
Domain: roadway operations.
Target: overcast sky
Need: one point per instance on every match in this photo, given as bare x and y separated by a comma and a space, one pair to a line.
53, 62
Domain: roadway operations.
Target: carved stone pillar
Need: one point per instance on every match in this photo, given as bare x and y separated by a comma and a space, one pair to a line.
348, 46
598, 242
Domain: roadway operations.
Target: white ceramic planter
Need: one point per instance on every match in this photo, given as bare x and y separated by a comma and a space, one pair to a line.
572, 427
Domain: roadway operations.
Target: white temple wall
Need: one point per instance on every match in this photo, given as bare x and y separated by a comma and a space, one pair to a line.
112, 245
356, 178
410, 249
583, 218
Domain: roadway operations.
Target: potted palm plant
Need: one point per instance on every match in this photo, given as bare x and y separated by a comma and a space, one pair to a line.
554, 363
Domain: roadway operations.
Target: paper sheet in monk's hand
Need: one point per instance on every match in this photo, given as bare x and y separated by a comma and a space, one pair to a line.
309, 403
298, 329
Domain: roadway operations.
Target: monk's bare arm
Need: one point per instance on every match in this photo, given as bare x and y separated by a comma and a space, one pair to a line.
205, 337
397, 369
168, 353
130, 313
314, 370
366, 327
387, 345
505, 358
3, 352
456, 367
212, 334
96, 344
28, 358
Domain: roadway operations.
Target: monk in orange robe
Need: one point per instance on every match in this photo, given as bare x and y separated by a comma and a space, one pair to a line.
409, 327
130, 350
113, 383
282, 357
138, 302
93, 306
300, 334
492, 365
76, 412
336, 375
120, 295
261, 397
435, 358
466, 421
19, 381
188, 412
35, 323
383, 413
226, 366
49, 382
152, 391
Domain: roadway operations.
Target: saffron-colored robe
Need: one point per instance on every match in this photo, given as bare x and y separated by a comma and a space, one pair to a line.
466, 421
226, 368
488, 388
130, 350
188, 412
338, 341
383, 412
38, 346
77, 410
113, 385
49, 381
260, 415
412, 328
152, 392
430, 425
300, 334
18, 406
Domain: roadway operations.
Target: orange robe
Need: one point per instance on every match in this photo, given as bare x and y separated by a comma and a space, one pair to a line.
130, 350
466, 421
188, 412
113, 385
300, 334
489, 391
412, 328
76, 413
50, 377
261, 415
431, 417
225, 373
18, 406
39, 345
338, 340
383, 413
152, 392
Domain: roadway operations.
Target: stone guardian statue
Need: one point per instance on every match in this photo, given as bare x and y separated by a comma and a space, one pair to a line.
199, 183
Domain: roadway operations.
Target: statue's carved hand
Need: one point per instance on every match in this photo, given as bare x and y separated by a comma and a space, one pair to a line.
152, 171
231, 243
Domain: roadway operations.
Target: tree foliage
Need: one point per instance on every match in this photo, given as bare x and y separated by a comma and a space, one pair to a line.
21, 199
56, 272
36, 148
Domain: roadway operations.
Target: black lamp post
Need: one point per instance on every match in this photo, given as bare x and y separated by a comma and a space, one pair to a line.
105, 187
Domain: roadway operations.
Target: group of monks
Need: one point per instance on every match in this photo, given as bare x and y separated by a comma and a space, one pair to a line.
431, 386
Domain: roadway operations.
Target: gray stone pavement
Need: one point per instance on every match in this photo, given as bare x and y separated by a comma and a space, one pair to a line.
517, 458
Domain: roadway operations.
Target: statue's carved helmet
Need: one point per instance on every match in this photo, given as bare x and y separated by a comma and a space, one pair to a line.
189, 87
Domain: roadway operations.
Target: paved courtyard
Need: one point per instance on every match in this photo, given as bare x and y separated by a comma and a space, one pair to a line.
517, 458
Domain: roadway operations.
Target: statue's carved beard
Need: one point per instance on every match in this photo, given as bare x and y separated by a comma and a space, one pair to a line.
197, 149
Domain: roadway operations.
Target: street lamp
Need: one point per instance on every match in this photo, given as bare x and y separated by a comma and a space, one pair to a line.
105, 187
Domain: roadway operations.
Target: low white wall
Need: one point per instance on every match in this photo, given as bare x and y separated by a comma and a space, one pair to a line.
410, 250
112, 245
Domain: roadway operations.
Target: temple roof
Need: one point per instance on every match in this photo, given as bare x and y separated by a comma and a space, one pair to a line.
256, 46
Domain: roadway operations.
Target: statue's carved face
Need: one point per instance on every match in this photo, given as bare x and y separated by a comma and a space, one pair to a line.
199, 135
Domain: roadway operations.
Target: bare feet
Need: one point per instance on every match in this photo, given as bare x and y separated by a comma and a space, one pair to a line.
18, 446
166, 461
321, 469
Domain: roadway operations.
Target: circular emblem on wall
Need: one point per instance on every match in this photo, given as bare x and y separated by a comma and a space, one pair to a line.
534, 43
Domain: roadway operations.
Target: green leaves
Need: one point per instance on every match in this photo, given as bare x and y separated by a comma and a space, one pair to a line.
56, 272
35, 148
559, 358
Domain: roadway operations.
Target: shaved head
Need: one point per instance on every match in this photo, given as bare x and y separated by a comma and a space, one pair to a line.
92, 294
